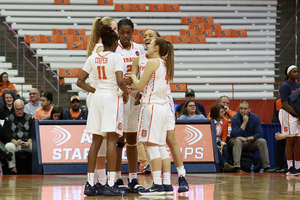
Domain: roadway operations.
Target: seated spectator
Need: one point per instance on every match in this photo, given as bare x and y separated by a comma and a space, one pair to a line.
5, 85
224, 100
8, 108
247, 134
217, 113
44, 111
57, 113
190, 95
190, 111
17, 133
34, 103
75, 113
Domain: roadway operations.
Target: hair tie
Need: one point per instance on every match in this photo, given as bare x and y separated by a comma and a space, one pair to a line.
290, 68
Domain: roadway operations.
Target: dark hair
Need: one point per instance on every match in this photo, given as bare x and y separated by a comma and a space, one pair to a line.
1, 79
245, 102
125, 22
156, 32
184, 111
48, 95
166, 49
215, 111
8, 92
285, 72
108, 36
57, 109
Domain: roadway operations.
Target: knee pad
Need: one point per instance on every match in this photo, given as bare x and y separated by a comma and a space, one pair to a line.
120, 144
153, 152
163, 152
102, 150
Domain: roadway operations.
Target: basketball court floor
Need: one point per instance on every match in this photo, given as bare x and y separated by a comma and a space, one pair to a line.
202, 187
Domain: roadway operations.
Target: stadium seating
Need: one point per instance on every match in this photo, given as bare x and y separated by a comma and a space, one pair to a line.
250, 58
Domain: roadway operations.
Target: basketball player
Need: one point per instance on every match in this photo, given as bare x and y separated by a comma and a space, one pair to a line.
138, 66
95, 45
153, 119
290, 127
105, 115
128, 50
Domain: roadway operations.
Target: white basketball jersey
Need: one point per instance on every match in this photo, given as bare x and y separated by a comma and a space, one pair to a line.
103, 66
92, 77
142, 64
156, 89
129, 55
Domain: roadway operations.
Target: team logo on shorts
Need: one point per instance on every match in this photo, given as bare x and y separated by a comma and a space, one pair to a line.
285, 129
144, 133
137, 53
120, 126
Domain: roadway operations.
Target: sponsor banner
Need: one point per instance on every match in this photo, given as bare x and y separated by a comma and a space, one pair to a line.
71, 143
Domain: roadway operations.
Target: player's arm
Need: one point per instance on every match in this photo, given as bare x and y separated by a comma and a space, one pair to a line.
151, 66
120, 81
287, 107
82, 84
135, 65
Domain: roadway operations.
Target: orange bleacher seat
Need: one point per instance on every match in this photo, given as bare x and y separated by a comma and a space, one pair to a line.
75, 45
223, 33
139, 31
167, 37
199, 26
206, 33
78, 71
206, 20
182, 39
63, 2
138, 7
188, 20
122, 7
188, 32
85, 44
197, 39
32, 38
105, 2
239, 33
81, 38
71, 72
48, 38
137, 38
156, 7
80, 31
60, 31
213, 26
178, 87
172, 7
65, 38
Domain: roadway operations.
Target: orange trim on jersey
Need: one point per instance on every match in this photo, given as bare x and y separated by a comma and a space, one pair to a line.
152, 87
146, 55
150, 123
289, 124
104, 55
120, 45
117, 114
141, 120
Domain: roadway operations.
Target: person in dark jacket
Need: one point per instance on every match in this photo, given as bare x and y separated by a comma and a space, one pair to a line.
8, 107
75, 113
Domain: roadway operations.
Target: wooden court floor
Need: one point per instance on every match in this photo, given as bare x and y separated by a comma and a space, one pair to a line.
202, 187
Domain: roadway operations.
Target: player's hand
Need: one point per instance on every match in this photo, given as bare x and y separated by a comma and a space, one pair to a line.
128, 80
138, 98
279, 136
131, 92
125, 98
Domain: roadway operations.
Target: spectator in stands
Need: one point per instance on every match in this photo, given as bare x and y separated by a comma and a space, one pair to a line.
217, 113
17, 133
190, 95
190, 111
44, 111
247, 134
57, 113
34, 103
224, 100
280, 161
75, 113
5, 85
8, 107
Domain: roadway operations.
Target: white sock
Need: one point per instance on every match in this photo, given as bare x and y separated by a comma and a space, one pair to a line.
167, 178
157, 177
297, 164
181, 171
95, 176
101, 176
90, 178
111, 178
132, 176
118, 175
289, 163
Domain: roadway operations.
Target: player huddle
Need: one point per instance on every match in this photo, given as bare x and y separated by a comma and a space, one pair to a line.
129, 99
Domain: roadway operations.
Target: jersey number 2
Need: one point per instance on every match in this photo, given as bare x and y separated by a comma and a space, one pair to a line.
101, 72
